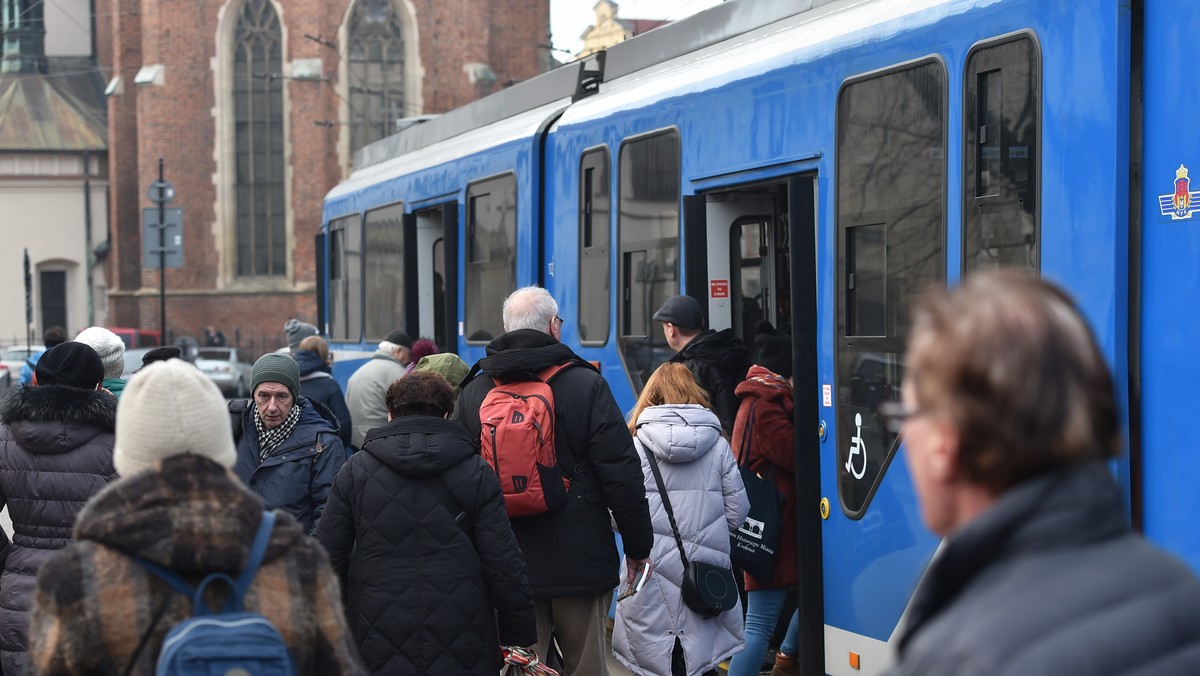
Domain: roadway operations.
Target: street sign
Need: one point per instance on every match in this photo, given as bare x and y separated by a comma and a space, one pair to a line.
173, 240
161, 191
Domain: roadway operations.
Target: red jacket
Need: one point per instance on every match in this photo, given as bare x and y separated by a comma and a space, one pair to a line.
770, 443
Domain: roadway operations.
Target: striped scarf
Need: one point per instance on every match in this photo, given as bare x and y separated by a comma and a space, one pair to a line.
269, 440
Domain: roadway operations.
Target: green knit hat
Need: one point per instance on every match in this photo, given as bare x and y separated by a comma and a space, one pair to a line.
276, 368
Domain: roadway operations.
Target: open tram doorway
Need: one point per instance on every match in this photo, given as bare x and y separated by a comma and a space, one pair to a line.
739, 258
433, 309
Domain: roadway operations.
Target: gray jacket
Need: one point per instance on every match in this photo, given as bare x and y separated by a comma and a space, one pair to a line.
709, 501
365, 392
1050, 580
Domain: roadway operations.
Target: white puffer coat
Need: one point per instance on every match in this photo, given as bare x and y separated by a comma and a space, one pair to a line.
709, 502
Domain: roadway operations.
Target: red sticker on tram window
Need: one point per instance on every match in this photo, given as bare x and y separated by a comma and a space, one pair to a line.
718, 288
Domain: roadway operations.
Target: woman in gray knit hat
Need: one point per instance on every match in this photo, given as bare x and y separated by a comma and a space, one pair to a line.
288, 449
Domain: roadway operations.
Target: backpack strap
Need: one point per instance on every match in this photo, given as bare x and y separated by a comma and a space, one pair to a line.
462, 517
257, 550
237, 407
239, 586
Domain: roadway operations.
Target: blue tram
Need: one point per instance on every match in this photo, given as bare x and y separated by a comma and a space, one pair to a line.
815, 163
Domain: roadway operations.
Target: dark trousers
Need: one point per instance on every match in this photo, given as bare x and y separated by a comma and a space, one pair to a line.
678, 668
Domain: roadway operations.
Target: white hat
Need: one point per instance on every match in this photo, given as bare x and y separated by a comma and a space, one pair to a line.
108, 345
170, 408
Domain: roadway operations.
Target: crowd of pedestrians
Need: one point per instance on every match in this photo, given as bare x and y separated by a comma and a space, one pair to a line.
386, 531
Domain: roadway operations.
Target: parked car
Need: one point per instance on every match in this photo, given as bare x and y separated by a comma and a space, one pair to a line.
138, 337
226, 367
133, 360
13, 360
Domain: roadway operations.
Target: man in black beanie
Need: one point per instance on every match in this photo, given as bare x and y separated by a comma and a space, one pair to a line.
288, 448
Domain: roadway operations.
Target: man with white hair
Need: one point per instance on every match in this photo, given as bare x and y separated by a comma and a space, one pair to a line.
570, 553
111, 349
367, 388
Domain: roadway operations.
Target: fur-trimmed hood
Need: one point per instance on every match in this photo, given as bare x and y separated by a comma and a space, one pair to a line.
56, 418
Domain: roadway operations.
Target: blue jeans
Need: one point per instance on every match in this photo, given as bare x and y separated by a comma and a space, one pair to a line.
762, 614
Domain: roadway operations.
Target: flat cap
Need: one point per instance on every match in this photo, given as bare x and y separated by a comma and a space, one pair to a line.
682, 311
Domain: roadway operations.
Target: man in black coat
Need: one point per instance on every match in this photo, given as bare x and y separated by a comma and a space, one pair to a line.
570, 553
1009, 416
716, 358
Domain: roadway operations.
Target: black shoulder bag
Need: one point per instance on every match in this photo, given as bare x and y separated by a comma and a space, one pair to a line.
752, 547
707, 589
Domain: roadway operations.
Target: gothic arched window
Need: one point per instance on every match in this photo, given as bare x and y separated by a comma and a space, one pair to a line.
376, 71
258, 126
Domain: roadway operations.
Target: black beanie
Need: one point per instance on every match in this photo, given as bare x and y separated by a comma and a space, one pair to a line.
71, 364
774, 349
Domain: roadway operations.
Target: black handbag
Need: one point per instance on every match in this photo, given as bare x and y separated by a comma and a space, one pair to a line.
752, 547
708, 590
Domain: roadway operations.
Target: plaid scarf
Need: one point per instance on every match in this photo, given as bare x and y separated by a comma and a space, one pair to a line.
269, 440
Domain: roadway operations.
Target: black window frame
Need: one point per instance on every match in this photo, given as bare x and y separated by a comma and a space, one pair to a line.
971, 202
348, 224
475, 189
854, 346
597, 160
375, 286
626, 340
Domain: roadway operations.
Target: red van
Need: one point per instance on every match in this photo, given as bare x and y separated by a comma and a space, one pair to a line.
138, 337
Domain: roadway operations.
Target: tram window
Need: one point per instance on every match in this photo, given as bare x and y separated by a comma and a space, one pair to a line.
439, 294
383, 267
891, 191
345, 278
595, 207
1000, 156
648, 234
491, 273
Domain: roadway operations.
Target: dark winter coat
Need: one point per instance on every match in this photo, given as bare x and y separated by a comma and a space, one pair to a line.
571, 551
768, 447
94, 603
56, 449
1050, 580
317, 383
718, 360
419, 597
297, 475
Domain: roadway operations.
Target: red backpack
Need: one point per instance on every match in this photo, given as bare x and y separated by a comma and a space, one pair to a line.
517, 439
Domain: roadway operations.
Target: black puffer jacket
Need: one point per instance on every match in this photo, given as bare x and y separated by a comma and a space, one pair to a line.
420, 599
56, 449
571, 552
317, 383
1050, 580
718, 360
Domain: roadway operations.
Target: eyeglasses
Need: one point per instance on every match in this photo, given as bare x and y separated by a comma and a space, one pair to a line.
561, 321
895, 414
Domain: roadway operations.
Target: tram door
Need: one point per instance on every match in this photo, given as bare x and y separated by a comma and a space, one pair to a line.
747, 260
435, 312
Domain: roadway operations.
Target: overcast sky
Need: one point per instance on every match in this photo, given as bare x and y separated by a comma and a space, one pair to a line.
569, 18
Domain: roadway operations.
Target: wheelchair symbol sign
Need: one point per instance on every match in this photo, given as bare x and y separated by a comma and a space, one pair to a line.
857, 447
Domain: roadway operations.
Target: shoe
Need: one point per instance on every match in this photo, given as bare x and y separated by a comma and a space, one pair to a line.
785, 666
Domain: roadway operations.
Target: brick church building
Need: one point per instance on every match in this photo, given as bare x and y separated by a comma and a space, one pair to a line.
256, 108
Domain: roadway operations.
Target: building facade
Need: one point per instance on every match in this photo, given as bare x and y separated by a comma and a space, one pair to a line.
53, 170
255, 108
608, 29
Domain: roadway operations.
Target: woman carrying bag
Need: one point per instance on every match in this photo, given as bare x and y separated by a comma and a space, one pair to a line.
655, 631
764, 434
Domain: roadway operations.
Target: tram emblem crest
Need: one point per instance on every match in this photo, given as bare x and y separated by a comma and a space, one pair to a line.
1182, 203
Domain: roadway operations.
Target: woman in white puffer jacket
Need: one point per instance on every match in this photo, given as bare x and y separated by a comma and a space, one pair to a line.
655, 633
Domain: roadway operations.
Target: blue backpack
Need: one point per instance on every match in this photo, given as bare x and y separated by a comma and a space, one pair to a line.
231, 641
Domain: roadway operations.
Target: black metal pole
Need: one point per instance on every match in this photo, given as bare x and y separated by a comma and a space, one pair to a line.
162, 255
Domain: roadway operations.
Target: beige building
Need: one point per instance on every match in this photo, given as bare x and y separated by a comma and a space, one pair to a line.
53, 171
609, 29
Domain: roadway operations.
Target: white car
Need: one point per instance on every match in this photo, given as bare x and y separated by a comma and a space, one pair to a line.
227, 368
13, 360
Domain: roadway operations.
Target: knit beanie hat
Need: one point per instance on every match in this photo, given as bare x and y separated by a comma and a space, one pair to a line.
108, 346
297, 331
71, 364
399, 338
774, 349
162, 354
276, 368
171, 408
447, 364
